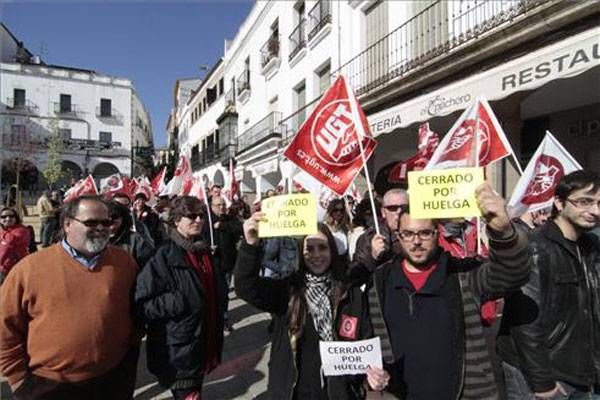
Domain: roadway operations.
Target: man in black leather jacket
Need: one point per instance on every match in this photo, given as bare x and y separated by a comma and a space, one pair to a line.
549, 339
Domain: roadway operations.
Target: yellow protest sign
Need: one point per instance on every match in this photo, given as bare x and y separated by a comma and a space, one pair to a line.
444, 193
289, 215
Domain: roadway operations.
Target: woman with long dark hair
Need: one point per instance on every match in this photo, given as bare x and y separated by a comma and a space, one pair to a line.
310, 305
180, 295
14, 240
338, 222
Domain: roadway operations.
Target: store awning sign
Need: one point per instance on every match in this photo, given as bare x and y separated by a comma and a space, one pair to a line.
289, 215
567, 58
448, 193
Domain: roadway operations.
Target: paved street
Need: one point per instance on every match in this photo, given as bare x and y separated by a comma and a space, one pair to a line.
243, 373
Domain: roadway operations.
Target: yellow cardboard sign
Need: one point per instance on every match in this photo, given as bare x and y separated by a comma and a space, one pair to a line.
444, 193
289, 215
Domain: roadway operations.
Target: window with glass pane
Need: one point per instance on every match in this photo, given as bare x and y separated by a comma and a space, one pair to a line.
19, 98
65, 103
65, 133
105, 107
106, 137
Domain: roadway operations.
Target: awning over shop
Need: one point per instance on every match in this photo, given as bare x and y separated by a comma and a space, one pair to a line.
567, 58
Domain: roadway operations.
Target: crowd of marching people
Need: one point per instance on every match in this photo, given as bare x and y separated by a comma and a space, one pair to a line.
515, 316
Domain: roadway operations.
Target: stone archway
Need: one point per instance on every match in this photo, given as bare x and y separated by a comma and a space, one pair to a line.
71, 173
29, 175
104, 170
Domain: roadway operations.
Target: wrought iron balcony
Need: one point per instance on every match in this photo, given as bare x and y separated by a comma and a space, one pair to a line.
114, 115
269, 50
66, 109
243, 82
318, 17
26, 107
298, 38
230, 98
266, 128
435, 31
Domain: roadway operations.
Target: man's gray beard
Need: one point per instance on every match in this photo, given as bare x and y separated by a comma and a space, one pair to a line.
96, 245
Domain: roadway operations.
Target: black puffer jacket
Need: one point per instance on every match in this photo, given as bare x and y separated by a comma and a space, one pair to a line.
170, 298
550, 329
273, 296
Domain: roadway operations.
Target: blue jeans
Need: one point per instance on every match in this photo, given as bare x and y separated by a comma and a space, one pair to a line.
517, 388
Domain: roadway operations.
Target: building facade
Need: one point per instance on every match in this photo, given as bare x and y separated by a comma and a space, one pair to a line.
100, 118
536, 61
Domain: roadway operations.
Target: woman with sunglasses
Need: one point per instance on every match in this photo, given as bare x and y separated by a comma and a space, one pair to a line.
14, 240
315, 303
338, 222
180, 295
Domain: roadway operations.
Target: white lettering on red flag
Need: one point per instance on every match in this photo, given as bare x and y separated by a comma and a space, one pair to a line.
326, 146
536, 187
457, 148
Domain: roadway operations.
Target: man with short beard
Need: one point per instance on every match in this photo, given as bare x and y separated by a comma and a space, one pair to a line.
66, 329
424, 307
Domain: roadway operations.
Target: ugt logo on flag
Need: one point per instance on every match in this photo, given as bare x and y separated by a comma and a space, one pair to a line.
326, 146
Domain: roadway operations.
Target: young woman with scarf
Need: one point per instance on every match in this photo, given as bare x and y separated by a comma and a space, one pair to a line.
180, 295
315, 303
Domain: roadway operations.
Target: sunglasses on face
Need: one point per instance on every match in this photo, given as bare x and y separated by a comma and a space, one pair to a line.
7, 216
338, 209
194, 216
395, 207
94, 223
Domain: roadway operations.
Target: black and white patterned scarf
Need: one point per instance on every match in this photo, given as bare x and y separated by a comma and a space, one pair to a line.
318, 297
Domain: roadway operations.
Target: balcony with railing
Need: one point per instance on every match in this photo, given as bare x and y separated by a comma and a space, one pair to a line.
269, 55
24, 107
265, 129
439, 29
318, 17
109, 117
243, 85
298, 39
230, 98
70, 110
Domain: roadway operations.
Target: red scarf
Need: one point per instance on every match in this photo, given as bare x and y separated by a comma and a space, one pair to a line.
204, 270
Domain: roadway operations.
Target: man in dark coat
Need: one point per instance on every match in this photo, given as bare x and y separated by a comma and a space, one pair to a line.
550, 334
424, 307
227, 231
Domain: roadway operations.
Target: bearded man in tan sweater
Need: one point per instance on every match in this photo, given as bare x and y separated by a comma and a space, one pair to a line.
66, 328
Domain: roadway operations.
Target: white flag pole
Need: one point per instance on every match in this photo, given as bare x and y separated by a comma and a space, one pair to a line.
208, 215
476, 134
360, 133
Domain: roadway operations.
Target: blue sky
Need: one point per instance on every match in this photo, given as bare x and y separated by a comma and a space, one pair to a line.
153, 43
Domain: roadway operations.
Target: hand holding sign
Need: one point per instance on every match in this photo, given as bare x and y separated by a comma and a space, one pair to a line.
251, 228
493, 210
378, 378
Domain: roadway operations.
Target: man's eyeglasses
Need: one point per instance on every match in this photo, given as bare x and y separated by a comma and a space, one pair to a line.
586, 203
7, 216
396, 207
424, 234
194, 216
94, 223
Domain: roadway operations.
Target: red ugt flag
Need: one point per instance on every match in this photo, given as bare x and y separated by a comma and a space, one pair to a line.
457, 148
535, 189
326, 146
84, 187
